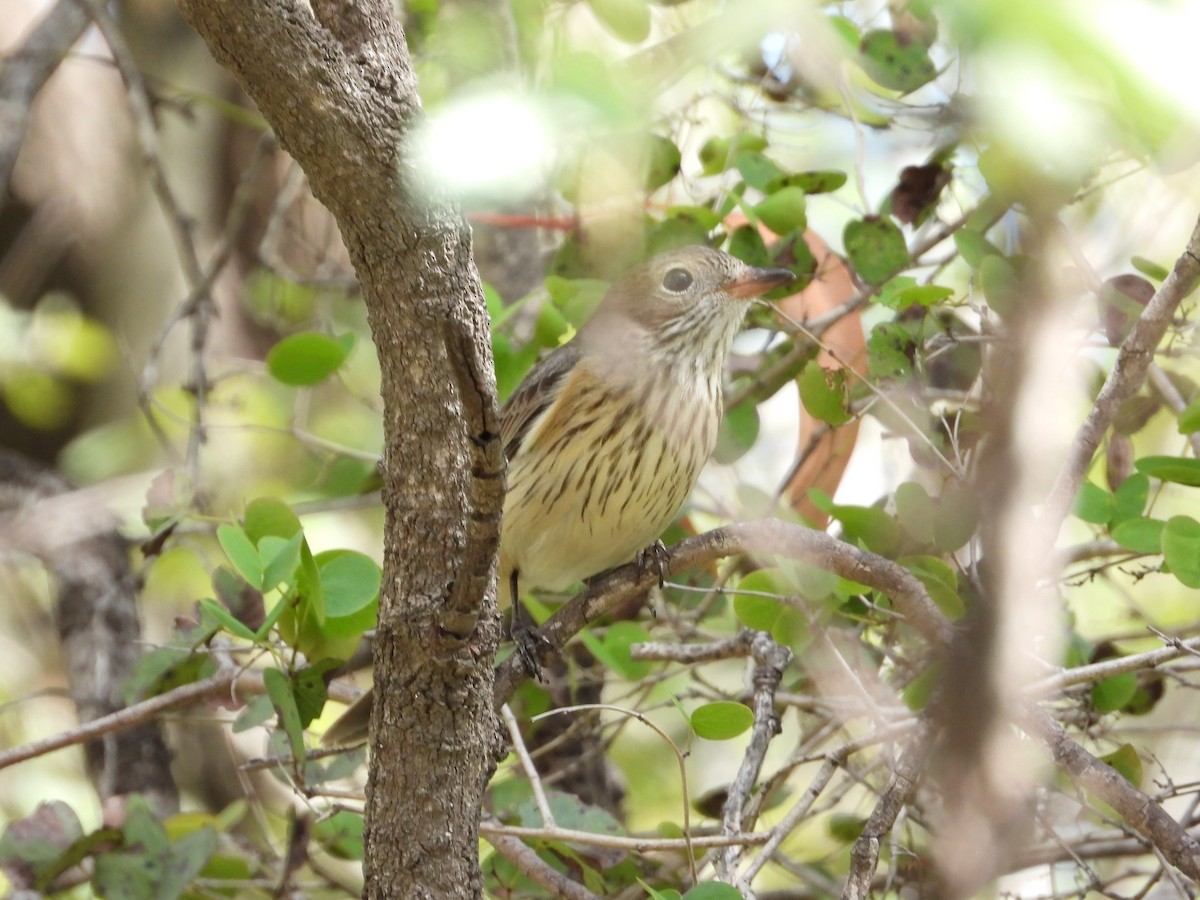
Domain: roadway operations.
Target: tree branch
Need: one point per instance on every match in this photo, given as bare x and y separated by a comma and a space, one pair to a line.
1126, 377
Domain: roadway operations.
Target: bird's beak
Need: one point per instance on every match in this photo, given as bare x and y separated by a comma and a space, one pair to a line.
754, 282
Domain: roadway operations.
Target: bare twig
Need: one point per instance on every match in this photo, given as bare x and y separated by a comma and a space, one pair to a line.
864, 856
535, 781
532, 867
26, 70
768, 536
770, 661
1138, 810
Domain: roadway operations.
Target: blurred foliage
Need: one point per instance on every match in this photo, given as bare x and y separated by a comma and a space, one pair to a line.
657, 125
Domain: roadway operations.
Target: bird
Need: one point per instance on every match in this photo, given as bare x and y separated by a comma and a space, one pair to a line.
606, 435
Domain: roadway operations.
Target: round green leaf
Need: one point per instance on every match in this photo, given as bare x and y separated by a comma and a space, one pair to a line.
1181, 549
663, 161
737, 433
307, 358
875, 248
915, 511
269, 516
754, 611
823, 393
242, 553
1141, 535
896, 62
757, 170
350, 581
722, 720
1093, 504
1111, 694
784, 210
1129, 499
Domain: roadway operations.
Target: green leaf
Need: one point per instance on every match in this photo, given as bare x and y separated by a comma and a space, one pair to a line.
747, 245
613, 648
895, 62
870, 526
915, 510
280, 559
307, 358
875, 248
269, 516
511, 365
721, 720
310, 689
279, 689
242, 553
1189, 419
350, 581
662, 162
917, 692
784, 211
824, 394
1149, 268
1001, 284
890, 351
718, 153
1130, 498
920, 295
228, 622
757, 170
1128, 764
1111, 694
974, 248
845, 827
1141, 535
341, 834
1171, 468
958, 517
713, 890
1093, 504
675, 232
941, 583
818, 182
760, 613
1181, 549
737, 433
628, 20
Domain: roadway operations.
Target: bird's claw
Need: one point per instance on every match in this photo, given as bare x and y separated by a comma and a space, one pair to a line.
655, 555
531, 644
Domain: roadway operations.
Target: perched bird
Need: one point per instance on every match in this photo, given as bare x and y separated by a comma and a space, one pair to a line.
607, 434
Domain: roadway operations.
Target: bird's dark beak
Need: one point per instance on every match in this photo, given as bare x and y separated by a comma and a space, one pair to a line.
754, 282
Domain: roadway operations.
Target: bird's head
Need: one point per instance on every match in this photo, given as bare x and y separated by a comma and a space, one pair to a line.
688, 300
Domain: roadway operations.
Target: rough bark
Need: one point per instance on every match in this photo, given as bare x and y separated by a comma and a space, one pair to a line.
336, 84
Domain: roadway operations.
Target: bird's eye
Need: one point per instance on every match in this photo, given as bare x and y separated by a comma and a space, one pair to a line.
677, 280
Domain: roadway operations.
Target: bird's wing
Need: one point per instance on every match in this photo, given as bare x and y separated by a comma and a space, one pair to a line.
534, 394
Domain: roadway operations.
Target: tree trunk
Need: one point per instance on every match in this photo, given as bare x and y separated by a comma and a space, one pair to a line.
338, 88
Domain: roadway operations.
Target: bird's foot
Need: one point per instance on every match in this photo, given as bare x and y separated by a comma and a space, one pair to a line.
655, 555
530, 642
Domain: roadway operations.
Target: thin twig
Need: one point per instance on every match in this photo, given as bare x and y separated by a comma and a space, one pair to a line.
770, 661
531, 772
